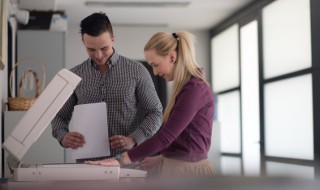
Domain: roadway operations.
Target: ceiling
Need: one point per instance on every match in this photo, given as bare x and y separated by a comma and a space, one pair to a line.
197, 15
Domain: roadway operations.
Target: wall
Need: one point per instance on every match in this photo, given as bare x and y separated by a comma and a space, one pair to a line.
3, 89
3, 73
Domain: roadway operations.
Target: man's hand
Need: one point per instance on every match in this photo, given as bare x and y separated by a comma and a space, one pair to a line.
120, 143
73, 140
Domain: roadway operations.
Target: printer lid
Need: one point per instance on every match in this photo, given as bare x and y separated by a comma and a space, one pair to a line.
41, 113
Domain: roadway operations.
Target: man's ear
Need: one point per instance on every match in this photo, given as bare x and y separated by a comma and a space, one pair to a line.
113, 38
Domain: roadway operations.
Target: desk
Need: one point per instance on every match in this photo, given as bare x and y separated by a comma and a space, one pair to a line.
124, 183
212, 183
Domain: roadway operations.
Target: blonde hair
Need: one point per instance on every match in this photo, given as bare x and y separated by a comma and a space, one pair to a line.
186, 65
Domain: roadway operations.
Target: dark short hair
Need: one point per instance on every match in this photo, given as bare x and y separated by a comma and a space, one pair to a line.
95, 24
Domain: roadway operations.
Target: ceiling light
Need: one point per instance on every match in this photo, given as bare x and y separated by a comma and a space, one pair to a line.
138, 3
139, 25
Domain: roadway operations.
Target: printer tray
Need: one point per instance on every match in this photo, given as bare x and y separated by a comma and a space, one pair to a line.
65, 172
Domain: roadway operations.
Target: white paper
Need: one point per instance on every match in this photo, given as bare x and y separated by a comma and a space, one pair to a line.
91, 121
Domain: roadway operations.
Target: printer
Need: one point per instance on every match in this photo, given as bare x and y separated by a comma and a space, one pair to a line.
33, 124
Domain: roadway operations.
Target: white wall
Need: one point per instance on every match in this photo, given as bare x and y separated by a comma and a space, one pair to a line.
3, 87
3, 73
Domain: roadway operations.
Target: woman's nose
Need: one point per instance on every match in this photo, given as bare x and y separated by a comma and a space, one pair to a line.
155, 72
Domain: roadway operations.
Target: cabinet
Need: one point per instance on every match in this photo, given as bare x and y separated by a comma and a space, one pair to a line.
48, 46
44, 151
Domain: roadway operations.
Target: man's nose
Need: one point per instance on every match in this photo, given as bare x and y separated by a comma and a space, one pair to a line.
98, 54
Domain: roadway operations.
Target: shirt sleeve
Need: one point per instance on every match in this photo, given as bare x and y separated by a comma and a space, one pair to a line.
61, 121
149, 101
186, 106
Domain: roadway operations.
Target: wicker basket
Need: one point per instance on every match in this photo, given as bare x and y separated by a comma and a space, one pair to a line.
21, 103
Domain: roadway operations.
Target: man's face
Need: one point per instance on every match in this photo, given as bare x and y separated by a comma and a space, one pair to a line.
99, 48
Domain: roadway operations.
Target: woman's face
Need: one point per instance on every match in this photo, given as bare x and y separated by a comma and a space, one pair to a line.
163, 66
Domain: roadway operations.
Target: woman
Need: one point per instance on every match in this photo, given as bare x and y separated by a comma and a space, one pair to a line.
185, 136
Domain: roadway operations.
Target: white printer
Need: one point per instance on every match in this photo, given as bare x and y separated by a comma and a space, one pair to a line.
32, 125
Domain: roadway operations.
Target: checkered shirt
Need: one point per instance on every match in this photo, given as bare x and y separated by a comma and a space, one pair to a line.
126, 85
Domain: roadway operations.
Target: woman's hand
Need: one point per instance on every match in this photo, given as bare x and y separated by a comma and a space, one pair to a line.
105, 162
120, 143
150, 162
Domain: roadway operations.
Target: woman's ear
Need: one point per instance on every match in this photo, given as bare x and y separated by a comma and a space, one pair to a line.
173, 56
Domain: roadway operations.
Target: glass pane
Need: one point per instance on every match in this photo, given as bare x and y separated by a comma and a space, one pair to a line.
275, 169
230, 166
250, 98
225, 59
289, 118
229, 118
286, 37
214, 151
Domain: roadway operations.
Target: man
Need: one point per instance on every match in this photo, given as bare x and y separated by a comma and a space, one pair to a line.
120, 82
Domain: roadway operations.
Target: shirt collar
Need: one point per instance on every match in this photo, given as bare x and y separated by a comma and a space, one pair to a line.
112, 61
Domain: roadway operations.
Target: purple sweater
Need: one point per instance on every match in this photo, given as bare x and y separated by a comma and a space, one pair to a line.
186, 135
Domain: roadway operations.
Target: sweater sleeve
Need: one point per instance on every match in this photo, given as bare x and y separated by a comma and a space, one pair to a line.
187, 104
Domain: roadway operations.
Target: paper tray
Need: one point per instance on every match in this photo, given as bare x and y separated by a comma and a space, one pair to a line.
73, 172
65, 172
